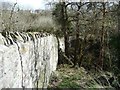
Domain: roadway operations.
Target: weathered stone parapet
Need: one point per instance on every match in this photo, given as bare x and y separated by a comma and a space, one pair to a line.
27, 59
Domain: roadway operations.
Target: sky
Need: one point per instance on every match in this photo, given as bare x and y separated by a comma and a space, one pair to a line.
29, 4
37, 4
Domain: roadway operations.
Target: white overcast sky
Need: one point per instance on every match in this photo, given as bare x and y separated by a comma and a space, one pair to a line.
37, 4
29, 4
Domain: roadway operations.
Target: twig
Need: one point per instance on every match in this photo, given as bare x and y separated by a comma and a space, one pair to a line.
66, 57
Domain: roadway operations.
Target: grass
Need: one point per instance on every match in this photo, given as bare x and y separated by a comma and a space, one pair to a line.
68, 77
68, 83
71, 77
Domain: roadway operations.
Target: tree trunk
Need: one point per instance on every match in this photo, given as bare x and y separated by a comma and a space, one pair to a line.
101, 56
77, 43
65, 27
118, 12
118, 31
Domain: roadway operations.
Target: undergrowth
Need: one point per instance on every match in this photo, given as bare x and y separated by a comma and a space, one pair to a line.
67, 77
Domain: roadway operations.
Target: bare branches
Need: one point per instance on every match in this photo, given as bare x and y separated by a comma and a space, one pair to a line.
11, 15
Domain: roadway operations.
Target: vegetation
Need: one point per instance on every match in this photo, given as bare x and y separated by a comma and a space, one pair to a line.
91, 33
88, 30
79, 78
12, 18
91, 36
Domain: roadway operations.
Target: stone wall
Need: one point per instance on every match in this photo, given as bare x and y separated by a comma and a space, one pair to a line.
27, 59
